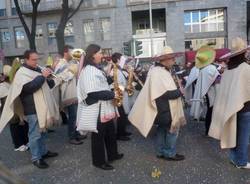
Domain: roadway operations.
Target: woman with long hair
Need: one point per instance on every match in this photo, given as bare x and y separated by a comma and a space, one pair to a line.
96, 110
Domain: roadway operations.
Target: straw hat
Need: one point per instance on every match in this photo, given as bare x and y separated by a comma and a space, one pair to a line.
204, 56
166, 53
238, 47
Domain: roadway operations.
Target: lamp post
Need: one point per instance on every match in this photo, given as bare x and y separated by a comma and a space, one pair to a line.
151, 28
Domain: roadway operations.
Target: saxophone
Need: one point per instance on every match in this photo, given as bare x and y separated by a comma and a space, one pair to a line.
130, 87
117, 89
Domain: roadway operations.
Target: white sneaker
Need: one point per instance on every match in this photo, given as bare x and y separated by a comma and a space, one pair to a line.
244, 167
22, 148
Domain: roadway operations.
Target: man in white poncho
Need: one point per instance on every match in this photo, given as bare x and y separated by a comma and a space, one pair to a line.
160, 101
31, 89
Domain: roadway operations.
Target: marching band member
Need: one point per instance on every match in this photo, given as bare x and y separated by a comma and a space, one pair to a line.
205, 85
231, 113
124, 109
31, 89
66, 70
160, 101
96, 110
18, 130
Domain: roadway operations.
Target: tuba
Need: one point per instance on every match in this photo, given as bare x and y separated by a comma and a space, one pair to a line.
117, 88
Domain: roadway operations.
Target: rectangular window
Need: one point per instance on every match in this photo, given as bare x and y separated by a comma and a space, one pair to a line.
204, 21
87, 3
51, 32
105, 29
19, 37
88, 31
194, 44
5, 35
13, 11
69, 32
2, 12
39, 36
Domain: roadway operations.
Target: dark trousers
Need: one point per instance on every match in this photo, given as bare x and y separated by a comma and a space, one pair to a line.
104, 139
72, 111
208, 116
122, 122
19, 133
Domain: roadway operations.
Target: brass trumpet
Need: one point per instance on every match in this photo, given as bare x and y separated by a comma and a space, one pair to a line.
130, 87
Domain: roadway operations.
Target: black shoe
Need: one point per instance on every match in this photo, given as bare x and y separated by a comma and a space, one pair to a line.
117, 157
51, 131
50, 154
177, 157
41, 164
81, 137
75, 141
123, 138
105, 167
127, 133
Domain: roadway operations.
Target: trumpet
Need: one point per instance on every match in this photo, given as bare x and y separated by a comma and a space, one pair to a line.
38, 66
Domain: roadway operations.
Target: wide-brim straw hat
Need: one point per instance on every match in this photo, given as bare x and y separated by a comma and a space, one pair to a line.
167, 53
239, 46
204, 56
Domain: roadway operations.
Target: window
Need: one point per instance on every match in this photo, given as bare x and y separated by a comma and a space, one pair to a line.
13, 11
87, 3
88, 30
69, 32
105, 28
194, 44
204, 20
51, 32
2, 12
5, 35
19, 37
39, 36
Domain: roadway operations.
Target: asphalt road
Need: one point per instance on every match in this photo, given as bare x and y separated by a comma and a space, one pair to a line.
205, 162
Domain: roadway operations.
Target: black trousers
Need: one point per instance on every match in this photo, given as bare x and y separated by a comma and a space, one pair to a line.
122, 122
19, 133
208, 116
104, 139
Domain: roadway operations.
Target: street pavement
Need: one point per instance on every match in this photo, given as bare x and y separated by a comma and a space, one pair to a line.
205, 162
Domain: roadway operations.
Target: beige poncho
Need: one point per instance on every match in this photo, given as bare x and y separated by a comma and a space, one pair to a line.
46, 107
233, 92
144, 111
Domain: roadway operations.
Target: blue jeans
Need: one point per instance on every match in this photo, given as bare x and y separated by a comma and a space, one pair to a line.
166, 142
36, 138
72, 110
239, 154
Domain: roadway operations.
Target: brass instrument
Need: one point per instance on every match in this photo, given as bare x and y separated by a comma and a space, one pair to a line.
137, 79
117, 89
77, 53
130, 88
40, 67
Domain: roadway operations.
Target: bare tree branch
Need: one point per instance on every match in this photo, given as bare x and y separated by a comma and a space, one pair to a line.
77, 8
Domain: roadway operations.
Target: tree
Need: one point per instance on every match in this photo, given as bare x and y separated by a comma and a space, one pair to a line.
31, 34
66, 15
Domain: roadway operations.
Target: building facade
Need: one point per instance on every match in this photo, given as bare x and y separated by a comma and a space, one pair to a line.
181, 24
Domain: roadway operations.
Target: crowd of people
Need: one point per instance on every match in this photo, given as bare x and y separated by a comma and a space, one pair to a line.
103, 98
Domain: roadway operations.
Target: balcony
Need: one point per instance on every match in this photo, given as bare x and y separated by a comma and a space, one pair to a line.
45, 6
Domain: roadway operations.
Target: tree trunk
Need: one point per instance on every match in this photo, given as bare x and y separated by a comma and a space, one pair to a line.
60, 39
